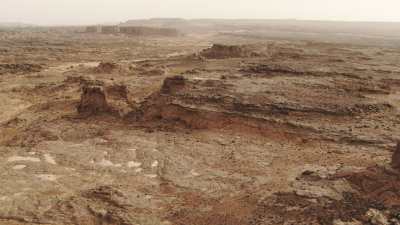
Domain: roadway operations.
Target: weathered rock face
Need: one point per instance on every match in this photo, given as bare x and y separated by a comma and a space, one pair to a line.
102, 98
105, 205
19, 68
117, 91
270, 68
148, 31
173, 84
105, 67
93, 101
396, 157
218, 51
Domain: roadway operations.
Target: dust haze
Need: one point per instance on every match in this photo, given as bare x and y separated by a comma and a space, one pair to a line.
199, 112
77, 12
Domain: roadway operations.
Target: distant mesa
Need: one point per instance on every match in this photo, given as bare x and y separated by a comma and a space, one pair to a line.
133, 30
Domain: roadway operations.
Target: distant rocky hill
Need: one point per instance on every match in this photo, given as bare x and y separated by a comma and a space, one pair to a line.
279, 27
15, 24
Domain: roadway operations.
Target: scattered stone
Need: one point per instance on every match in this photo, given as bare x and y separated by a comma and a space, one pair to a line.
154, 164
132, 164
20, 158
376, 217
105, 163
394, 221
194, 173
47, 177
102, 213
151, 176
166, 222
340, 222
19, 167
319, 189
49, 159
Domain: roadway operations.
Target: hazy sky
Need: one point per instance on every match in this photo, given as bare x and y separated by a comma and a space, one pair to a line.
97, 11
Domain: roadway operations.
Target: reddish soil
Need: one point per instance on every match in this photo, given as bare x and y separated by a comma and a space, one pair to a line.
254, 131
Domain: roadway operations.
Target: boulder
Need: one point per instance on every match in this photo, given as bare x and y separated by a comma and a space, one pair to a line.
376, 217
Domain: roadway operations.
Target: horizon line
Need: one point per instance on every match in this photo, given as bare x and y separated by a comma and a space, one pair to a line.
189, 19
